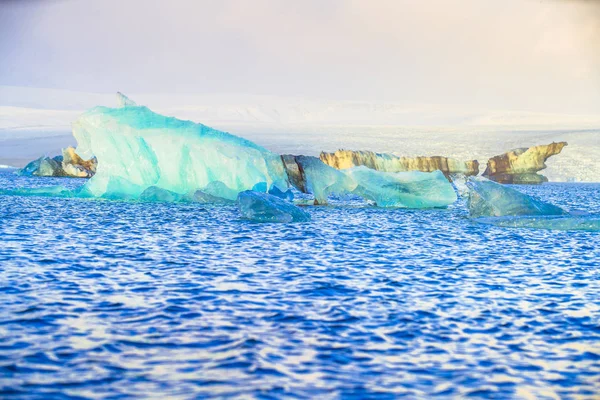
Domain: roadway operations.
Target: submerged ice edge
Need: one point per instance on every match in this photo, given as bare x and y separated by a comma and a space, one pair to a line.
271, 209
589, 223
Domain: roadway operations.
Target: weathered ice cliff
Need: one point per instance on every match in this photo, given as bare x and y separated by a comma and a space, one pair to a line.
520, 166
344, 159
75, 166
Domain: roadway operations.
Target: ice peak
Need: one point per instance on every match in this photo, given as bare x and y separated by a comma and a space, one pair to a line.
124, 101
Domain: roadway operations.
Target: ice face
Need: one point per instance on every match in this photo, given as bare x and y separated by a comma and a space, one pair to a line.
403, 189
263, 207
137, 148
490, 199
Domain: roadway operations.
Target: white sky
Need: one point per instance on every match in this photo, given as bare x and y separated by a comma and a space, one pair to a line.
537, 55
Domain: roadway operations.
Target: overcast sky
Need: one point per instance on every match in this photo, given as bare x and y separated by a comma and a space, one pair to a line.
539, 55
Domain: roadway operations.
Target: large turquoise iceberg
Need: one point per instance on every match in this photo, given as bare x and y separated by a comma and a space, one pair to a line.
137, 148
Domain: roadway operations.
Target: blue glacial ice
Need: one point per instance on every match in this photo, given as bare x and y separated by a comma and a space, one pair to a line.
403, 189
148, 156
321, 180
264, 207
287, 195
220, 190
490, 199
274, 190
386, 189
43, 166
154, 193
137, 148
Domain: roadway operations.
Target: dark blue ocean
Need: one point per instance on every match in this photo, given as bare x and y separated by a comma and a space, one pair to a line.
115, 300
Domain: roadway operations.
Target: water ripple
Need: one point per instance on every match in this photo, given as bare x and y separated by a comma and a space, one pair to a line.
125, 300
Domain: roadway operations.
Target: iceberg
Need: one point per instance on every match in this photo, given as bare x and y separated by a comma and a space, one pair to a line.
459, 181
156, 194
131, 152
68, 164
263, 207
287, 195
137, 148
43, 166
124, 101
520, 166
490, 199
413, 189
310, 175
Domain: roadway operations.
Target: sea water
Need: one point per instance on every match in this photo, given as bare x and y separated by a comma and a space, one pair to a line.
116, 299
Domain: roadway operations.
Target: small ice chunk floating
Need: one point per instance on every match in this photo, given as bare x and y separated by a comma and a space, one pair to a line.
142, 154
491, 203
264, 207
490, 199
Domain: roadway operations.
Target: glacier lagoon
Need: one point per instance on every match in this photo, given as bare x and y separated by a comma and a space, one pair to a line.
149, 278
129, 299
